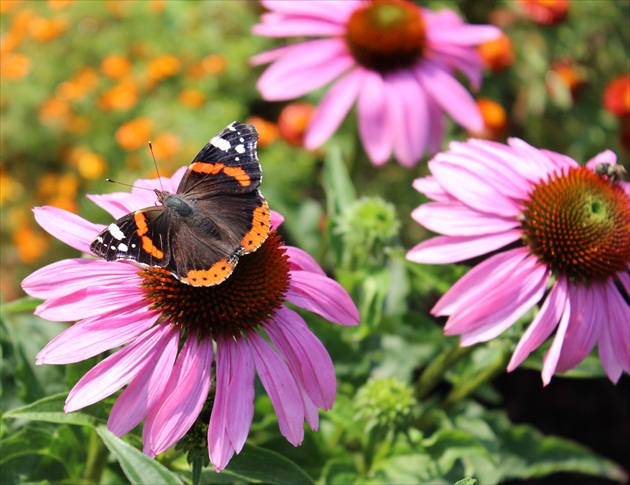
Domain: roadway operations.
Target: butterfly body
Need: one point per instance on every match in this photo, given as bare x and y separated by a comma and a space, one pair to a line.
217, 215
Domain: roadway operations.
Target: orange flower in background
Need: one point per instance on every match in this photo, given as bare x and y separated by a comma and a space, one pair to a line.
163, 66
30, 244
84, 81
90, 165
121, 97
267, 131
568, 75
134, 134
14, 66
192, 98
60, 4
54, 111
166, 146
293, 120
495, 120
115, 66
157, 6
44, 30
497, 54
10, 189
7, 6
545, 12
617, 96
211, 65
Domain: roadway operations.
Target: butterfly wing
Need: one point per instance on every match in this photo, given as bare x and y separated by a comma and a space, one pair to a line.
143, 236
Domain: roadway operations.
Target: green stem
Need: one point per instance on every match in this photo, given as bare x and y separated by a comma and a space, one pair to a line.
434, 373
96, 458
467, 388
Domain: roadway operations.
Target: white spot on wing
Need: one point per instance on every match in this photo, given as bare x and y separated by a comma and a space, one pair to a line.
115, 231
123, 247
239, 148
220, 143
99, 239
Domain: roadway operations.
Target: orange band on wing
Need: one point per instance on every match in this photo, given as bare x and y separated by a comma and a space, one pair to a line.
141, 221
148, 246
217, 273
237, 173
261, 223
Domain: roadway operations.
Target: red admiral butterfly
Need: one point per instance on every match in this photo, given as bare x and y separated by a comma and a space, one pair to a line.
217, 215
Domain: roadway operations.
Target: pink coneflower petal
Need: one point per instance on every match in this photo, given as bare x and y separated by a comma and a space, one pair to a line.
89, 302
134, 404
618, 318
330, 10
183, 397
607, 156
450, 95
452, 249
323, 296
553, 354
463, 34
92, 336
333, 109
582, 331
464, 59
432, 189
305, 355
69, 275
479, 192
274, 25
312, 65
302, 261
543, 325
118, 369
281, 387
610, 362
118, 204
276, 219
407, 103
455, 219
69, 228
497, 311
436, 127
375, 127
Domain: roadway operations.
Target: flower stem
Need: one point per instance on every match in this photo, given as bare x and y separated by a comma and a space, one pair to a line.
434, 372
96, 458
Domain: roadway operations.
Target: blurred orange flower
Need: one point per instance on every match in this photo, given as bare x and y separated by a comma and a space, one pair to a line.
10, 189
497, 54
14, 66
84, 81
134, 134
8, 5
617, 96
293, 120
157, 6
91, 165
30, 244
121, 97
44, 30
60, 4
545, 12
54, 111
115, 66
495, 120
214, 64
162, 67
192, 98
267, 131
569, 74
166, 146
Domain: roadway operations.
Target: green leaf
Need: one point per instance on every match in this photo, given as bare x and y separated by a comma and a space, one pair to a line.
50, 409
338, 186
26, 304
466, 481
339, 472
258, 465
138, 468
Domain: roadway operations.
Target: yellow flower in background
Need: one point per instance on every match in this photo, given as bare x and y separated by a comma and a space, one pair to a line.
134, 134
90, 165
10, 189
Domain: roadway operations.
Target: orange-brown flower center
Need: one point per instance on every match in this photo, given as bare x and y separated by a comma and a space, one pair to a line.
245, 300
578, 223
386, 35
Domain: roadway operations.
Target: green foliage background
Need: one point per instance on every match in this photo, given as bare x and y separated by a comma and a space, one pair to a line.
453, 426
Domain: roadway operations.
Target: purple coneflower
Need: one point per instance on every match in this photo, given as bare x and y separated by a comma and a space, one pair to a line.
568, 231
171, 333
395, 59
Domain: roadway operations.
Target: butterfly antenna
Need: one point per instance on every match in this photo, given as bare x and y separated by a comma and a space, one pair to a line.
126, 185
156, 165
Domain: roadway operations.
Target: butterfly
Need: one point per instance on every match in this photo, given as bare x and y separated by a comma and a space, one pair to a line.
217, 215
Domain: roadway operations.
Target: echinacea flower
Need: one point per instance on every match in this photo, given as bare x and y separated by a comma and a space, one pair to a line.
396, 60
169, 334
558, 232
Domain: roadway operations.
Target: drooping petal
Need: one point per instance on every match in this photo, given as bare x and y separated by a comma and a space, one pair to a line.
333, 108
97, 334
618, 313
69, 228
69, 275
461, 58
184, 395
543, 325
455, 219
375, 127
324, 296
553, 354
304, 69
281, 387
307, 357
134, 404
118, 369
452, 97
451, 249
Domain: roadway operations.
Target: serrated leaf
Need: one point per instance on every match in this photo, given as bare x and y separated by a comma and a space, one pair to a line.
50, 409
138, 468
258, 465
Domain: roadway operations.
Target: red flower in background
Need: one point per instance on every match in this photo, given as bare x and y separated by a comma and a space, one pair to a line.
617, 96
545, 12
